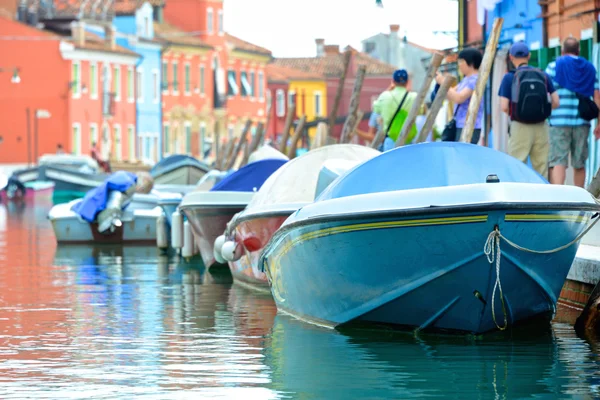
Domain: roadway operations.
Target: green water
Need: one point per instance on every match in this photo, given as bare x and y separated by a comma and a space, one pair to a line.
108, 323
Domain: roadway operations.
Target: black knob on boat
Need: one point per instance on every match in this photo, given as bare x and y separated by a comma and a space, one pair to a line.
492, 178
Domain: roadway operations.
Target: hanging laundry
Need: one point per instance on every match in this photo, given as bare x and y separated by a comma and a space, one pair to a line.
483, 6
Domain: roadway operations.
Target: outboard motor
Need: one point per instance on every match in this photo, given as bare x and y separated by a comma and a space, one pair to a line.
110, 218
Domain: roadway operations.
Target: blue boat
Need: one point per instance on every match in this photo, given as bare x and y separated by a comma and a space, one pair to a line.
440, 236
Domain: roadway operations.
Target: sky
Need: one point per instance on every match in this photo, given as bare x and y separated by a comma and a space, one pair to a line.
289, 27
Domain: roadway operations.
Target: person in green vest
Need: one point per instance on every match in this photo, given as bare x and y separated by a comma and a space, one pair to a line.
393, 106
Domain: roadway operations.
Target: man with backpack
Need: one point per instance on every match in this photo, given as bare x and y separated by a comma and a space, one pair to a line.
576, 82
393, 106
528, 96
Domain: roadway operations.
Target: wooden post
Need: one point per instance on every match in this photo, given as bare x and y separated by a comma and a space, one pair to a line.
240, 144
254, 144
217, 138
359, 117
320, 137
229, 154
297, 134
379, 137
339, 92
289, 119
354, 103
449, 80
435, 63
482, 80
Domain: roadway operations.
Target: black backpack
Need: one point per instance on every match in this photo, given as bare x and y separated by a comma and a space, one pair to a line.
531, 102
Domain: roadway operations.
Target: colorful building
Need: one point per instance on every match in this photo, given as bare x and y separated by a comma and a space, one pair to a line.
307, 90
81, 92
187, 92
329, 63
233, 70
135, 27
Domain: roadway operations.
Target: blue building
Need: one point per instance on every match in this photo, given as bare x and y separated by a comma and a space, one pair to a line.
522, 22
135, 31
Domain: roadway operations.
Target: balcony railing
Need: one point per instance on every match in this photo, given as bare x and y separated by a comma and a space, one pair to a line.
108, 104
98, 10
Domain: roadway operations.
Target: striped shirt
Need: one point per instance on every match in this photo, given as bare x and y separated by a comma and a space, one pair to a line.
566, 114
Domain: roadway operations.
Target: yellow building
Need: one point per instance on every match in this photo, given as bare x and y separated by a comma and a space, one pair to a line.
308, 91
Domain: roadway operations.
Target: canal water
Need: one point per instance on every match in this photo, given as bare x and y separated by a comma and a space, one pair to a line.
108, 323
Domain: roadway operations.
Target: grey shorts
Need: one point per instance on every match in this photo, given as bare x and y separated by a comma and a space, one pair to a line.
565, 139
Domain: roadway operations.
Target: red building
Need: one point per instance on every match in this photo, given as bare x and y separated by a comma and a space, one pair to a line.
82, 91
329, 62
234, 73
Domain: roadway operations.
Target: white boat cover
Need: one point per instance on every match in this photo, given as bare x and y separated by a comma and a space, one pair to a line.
266, 152
69, 159
296, 181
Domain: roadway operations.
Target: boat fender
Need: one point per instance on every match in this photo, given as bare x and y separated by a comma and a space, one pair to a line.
162, 241
177, 230
218, 248
231, 251
188, 241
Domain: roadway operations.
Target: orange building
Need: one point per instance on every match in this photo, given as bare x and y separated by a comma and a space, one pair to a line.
80, 86
564, 18
234, 73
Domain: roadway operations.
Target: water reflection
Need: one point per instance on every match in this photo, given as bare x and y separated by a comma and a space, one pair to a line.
119, 322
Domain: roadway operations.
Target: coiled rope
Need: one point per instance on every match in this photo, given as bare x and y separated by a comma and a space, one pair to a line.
493, 253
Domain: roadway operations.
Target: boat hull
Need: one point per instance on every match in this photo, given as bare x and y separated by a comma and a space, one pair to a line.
186, 175
254, 234
33, 190
208, 223
139, 227
422, 271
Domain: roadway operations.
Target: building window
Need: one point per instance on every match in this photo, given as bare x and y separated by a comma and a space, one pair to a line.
232, 86
94, 81
93, 134
155, 86
117, 149
130, 84
76, 147
202, 82
252, 83
166, 138
220, 22
209, 20
291, 99
246, 88
165, 76
261, 86
187, 79
117, 83
280, 102
369, 47
188, 138
318, 104
140, 85
76, 79
203, 140
131, 137
175, 78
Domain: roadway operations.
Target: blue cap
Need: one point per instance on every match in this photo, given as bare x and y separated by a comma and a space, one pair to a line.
400, 76
519, 49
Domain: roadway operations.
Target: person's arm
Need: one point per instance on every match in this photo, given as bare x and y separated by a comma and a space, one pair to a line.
504, 92
597, 101
553, 94
378, 103
459, 97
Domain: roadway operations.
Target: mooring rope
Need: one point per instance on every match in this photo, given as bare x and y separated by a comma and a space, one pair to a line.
493, 253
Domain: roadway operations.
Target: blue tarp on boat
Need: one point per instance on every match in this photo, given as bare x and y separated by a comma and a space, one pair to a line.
250, 177
95, 200
175, 161
429, 165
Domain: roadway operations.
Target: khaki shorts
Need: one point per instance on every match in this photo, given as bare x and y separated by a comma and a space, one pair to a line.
569, 138
530, 141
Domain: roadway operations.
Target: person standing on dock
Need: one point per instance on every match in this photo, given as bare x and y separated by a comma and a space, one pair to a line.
528, 96
393, 106
469, 61
576, 82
